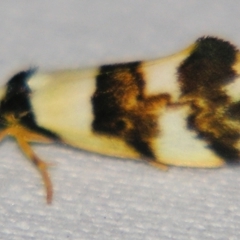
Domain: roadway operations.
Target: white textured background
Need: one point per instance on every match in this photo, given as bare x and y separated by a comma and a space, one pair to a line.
99, 197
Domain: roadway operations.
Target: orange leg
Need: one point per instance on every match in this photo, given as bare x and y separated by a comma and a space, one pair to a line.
41, 166
23, 137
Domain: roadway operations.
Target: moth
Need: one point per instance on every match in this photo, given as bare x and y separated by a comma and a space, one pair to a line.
181, 110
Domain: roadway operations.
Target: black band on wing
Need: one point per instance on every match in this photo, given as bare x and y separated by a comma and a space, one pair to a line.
17, 102
118, 106
202, 77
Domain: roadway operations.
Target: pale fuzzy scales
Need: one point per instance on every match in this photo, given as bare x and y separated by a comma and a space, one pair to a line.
181, 147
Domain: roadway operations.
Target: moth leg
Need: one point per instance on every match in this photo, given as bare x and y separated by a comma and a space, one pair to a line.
41, 166
24, 136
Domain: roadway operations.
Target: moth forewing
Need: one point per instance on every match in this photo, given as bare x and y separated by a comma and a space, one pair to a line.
181, 110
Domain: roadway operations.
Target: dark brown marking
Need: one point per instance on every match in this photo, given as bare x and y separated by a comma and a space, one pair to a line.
234, 111
17, 102
122, 109
202, 76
